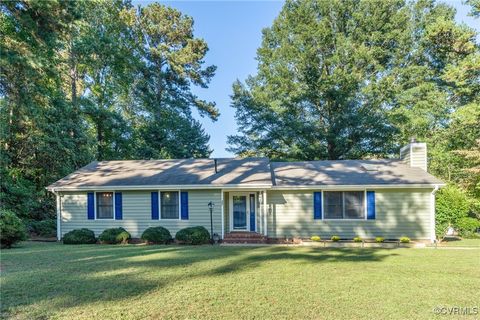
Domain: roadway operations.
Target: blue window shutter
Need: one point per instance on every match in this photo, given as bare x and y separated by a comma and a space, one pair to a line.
370, 205
317, 205
118, 206
184, 205
91, 206
154, 205
252, 212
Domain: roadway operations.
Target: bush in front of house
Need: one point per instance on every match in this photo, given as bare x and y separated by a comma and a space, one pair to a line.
467, 227
12, 229
44, 228
379, 239
451, 206
315, 238
156, 235
79, 236
193, 235
405, 240
114, 236
335, 238
357, 239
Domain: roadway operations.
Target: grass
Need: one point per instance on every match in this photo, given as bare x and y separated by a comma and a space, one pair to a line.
50, 280
456, 242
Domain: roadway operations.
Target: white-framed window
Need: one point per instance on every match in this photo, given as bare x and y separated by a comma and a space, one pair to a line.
345, 205
169, 205
104, 207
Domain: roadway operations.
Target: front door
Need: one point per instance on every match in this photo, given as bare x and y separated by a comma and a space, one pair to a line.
239, 210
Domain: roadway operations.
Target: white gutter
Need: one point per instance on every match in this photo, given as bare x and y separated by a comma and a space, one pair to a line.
432, 213
163, 187
247, 187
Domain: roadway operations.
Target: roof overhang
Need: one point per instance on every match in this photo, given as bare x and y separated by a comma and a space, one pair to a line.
246, 187
359, 187
162, 187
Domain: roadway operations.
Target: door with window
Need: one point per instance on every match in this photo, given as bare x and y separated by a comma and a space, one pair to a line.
240, 211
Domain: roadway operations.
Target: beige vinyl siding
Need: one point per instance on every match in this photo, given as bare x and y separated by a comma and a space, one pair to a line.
137, 213
399, 212
418, 157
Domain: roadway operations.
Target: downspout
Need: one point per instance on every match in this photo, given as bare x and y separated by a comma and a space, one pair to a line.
433, 238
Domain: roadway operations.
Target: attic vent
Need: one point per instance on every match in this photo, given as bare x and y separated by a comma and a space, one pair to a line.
370, 167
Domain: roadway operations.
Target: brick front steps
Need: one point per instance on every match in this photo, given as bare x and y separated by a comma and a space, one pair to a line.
244, 237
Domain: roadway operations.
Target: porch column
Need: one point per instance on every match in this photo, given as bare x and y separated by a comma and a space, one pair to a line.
223, 213
265, 213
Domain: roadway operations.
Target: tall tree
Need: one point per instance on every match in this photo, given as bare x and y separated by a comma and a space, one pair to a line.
172, 63
349, 79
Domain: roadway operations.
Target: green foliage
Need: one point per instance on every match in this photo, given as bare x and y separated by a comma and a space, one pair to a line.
44, 228
12, 229
84, 80
357, 239
405, 240
315, 238
79, 236
114, 236
379, 239
451, 205
193, 235
468, 226
157, 235
335, 238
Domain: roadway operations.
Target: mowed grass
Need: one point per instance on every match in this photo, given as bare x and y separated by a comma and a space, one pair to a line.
41, 281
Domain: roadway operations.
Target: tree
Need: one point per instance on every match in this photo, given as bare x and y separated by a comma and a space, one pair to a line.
83, 80
172, 63
350, 79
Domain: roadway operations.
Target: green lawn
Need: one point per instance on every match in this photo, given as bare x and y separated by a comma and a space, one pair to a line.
134, 282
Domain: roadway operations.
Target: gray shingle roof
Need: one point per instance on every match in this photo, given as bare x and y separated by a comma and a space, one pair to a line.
231, 171
245, 172
348, 172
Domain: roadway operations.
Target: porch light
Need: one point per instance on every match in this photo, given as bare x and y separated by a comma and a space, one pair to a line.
211, 205
260, 198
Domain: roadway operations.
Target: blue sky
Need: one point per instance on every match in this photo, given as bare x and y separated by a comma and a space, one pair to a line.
232, 30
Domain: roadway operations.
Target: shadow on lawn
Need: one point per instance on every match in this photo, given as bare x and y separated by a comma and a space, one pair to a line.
81, 275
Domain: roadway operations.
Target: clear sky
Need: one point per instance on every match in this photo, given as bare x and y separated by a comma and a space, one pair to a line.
232, 30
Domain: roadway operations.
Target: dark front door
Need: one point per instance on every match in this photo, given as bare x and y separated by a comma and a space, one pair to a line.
239, 212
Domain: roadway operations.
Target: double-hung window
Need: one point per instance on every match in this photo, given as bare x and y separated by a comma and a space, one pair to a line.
344, 204
169, 207
104, 205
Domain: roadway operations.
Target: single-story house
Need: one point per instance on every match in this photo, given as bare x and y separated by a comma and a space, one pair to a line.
367, 198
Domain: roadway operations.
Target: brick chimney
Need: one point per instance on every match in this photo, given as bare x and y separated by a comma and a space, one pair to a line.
414, 154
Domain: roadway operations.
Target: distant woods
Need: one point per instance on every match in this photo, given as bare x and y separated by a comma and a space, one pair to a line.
85, 80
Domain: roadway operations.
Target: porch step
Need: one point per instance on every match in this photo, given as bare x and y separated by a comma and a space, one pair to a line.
244, 237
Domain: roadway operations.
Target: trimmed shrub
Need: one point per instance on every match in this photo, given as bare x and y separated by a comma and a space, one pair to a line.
114, 236
467, 226
12, 229
193, 235
335, 238
315, 238
357, 239
379, 239
405, 240
157, 235
79, 236
451, 205
45, 228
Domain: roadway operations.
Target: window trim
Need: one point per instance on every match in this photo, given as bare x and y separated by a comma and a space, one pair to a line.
364, 218
95, 205
160, 205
